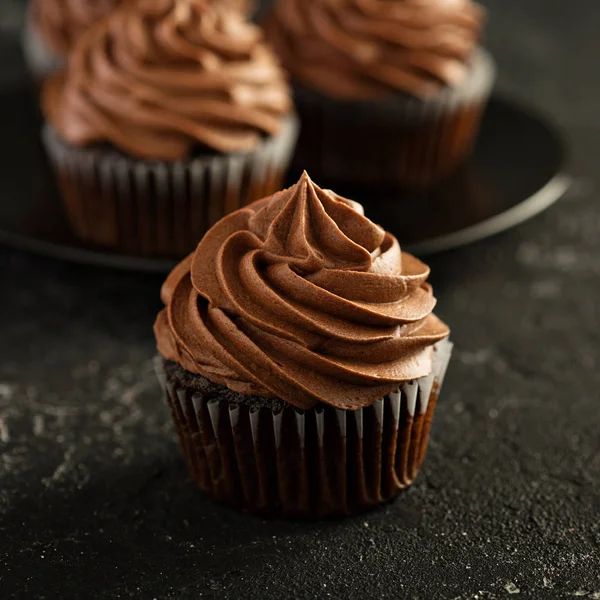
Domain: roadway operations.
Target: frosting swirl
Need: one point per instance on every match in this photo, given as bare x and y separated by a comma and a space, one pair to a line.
376, 47
160, 78
62, 22
301, 297
246, 7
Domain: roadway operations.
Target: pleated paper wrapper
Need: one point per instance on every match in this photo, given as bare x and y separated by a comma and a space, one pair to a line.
315, 463
400, 142
161, 209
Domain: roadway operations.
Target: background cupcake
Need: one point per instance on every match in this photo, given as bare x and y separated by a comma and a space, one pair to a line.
300, 357
389, 92
169, 115
53, 27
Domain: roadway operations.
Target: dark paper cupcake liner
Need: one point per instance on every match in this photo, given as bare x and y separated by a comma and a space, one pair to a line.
403, 142
155, 208
321, 462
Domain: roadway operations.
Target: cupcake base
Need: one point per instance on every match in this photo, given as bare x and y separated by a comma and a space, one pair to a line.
154, 208
402, 142
267, 457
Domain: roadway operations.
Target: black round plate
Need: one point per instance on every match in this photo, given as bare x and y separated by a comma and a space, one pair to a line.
515, 173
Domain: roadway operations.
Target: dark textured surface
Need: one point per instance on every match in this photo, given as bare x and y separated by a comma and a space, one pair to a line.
94, 498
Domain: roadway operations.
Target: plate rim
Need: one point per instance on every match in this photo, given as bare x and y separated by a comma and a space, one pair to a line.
552, 191
532, 206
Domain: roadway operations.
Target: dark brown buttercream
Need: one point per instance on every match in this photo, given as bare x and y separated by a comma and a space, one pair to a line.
244, 6
157, 78
299, 296
366, 49
62, 22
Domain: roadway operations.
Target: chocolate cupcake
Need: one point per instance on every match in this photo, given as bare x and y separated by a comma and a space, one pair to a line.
390, 93
53, 27
169, 115
300, 357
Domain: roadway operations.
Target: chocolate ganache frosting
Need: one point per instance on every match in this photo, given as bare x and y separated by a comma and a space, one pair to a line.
159, 78
299, 296
62, 22
375, 48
